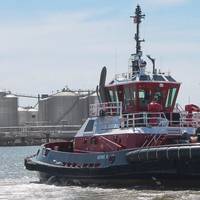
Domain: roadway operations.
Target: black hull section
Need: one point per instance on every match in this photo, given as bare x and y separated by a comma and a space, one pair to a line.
175, 154
149, 173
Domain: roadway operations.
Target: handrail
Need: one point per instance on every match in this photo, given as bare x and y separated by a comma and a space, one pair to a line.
106, 109
32, 129
155, 140
127, 76
150, 119
112, 145
146, 119
190, 119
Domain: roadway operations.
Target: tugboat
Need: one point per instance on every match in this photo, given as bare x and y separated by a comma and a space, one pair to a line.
136, 133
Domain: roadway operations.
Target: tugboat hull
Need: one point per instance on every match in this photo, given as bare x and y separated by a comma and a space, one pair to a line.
164, 172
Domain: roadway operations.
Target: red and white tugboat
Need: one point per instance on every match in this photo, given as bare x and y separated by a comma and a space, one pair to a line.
136, 134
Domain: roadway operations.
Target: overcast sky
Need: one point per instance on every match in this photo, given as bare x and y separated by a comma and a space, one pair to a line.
48, 44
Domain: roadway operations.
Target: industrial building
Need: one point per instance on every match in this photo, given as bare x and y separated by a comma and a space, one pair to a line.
56, 116
62, 108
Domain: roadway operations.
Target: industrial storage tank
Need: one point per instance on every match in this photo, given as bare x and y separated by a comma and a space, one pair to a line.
27, 115
60, 108
66, 107
85, 102
8, 110
43, 110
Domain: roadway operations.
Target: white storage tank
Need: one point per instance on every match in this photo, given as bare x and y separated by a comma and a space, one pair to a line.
27, 116
43, 110
8, 110
65, 107
85, 104
60, 108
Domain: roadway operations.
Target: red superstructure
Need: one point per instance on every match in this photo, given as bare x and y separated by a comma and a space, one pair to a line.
137, 109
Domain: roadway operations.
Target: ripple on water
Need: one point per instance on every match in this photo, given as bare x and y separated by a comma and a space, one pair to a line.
24, 189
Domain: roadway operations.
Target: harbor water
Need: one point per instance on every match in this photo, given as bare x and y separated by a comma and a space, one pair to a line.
18, 183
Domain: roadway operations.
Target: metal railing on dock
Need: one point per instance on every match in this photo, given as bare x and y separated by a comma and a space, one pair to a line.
32, 135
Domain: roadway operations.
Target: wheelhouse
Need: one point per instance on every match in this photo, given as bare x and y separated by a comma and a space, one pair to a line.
136, 95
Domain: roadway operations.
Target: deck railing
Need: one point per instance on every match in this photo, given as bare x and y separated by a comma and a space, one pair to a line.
145, 119
124, 76
190, 119
106, 109
128, 75
154, 140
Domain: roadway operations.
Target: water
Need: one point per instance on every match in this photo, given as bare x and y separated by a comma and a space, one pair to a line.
16, 183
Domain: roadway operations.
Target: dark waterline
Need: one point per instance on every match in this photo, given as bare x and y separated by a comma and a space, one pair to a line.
18, 184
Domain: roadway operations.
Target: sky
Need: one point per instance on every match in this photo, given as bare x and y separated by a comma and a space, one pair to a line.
46, 45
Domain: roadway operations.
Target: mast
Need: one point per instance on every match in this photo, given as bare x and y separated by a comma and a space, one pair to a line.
137, 64
137, 61
137, 19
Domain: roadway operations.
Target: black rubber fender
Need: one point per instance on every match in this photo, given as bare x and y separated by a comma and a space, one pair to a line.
184, 153
152, 154
172, 153
195, 152
162, 153
175, 153
143, 154
133, 156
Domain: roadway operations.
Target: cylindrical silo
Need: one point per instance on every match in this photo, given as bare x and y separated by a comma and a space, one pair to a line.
60, 108
63, 107
22, 116
27, 116
43, 110
8, 110
66, 108
32, 115
85, 104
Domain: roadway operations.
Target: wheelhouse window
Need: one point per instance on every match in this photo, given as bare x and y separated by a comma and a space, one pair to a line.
144, 97
169, 78
133, 94
170, 97
89, 126
158, 97
141, 94
129, 96
113, 95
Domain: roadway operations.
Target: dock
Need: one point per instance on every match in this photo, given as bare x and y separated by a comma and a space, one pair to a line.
36, 135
